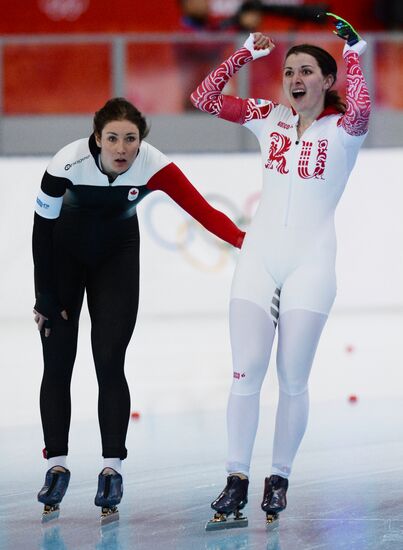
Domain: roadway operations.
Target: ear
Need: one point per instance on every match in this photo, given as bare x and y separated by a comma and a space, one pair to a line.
329, 81
98, 139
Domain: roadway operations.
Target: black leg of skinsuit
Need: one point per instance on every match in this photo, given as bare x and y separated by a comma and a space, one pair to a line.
112, 294
112, 291
59, 353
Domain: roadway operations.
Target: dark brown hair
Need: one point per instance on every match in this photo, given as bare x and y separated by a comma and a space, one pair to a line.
118, 108
328, 66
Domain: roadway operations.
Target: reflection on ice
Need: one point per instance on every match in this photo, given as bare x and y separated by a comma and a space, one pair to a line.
109, 538
52, 538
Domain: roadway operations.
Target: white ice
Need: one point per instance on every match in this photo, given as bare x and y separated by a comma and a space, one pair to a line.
346, 489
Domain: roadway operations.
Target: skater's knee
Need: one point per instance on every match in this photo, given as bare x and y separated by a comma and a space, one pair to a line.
293, 387
109, 364
244, 384
56, 383
292, 381
248, 377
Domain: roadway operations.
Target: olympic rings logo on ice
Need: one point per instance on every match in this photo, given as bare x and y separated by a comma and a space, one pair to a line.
194, 243
57, 10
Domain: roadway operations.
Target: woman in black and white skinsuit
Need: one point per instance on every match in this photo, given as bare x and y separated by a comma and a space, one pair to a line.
86, 239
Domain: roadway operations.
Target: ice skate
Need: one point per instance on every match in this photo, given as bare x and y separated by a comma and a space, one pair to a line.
274, 497
229, 502
109, 494
52, 493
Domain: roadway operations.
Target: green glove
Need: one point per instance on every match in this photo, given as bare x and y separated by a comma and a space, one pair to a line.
344, 30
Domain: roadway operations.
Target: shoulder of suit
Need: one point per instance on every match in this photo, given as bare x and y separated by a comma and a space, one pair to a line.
152, 158
72, 156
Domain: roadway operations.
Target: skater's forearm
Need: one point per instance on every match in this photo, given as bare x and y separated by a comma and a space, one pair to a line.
356, 119
208, 96
172, 181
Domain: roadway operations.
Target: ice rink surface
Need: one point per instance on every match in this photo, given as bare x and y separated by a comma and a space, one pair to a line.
346, 488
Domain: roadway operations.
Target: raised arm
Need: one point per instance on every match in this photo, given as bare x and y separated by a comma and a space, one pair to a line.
208, 96
173, 181
356, 118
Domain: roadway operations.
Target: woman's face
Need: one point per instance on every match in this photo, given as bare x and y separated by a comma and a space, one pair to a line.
119, 143
304, 84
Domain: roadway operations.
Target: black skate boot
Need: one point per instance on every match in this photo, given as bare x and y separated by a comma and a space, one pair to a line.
230, 501
52, 493
274, 497
109, 494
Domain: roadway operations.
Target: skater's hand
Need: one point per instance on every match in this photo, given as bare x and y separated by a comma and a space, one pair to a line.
344, 29
44, 323
259, 45
240, 240
347, 32
46, 309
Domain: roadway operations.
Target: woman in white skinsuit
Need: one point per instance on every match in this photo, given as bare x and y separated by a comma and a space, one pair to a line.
286, 271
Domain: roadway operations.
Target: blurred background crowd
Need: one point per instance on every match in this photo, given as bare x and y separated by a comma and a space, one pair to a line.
64, 58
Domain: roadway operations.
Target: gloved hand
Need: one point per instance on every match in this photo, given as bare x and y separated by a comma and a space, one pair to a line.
347, 32
46, 309
259, 45
344, 30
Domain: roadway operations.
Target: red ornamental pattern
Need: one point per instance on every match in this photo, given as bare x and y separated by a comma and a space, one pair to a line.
208, 97
278, 148
356, 118
255, 112
280, 145
320, 159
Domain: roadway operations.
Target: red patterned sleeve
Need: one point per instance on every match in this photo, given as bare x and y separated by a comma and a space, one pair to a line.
356, 118
173, 181
208, 97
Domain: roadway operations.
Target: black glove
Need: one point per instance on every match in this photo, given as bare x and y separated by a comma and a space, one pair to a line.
48, 305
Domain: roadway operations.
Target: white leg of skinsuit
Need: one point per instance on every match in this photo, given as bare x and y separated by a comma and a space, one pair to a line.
299, 333
252, 335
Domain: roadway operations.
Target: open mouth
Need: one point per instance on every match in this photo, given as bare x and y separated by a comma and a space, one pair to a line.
296, 94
